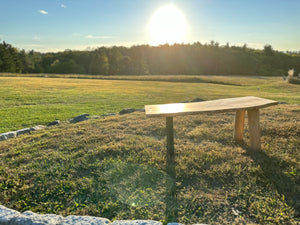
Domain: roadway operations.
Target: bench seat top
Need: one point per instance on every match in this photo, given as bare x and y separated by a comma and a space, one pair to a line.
220, 105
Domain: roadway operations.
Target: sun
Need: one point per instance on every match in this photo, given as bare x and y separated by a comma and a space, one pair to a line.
167, 25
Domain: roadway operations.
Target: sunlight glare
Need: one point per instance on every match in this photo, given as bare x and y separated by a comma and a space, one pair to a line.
171, 108
167, 25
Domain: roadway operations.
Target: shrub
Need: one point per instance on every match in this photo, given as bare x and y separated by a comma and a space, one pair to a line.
291, 78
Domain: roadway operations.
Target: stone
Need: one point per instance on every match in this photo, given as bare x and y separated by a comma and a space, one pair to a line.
38, 127
2, 137
127, 110
140, 110
88, 220
8, 135
31, 218
79, 118
197, 100
6, 215
136, 222
23, 131
53, 123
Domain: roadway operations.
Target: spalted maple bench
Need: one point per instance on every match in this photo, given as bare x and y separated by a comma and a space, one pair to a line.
239, 105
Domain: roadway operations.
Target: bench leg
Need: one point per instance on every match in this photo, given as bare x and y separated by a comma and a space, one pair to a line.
171, 201
239, 125
254, 129
170, 146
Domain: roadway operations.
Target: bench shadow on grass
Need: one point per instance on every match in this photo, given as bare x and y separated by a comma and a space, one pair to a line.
273, 170
143, 186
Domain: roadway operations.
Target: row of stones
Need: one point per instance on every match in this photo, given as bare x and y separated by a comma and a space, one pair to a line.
12, 217
12, 134
82, 117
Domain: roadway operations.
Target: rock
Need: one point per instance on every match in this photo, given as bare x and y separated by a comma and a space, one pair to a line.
136, 222
197, 100
125, 111
23, 131
6, 215
2, 137
140, 110
54, 123
79, 118
8, 135
31, 218
38, 127
88, 220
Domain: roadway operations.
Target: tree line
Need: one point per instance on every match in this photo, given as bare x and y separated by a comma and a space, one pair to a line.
188, 59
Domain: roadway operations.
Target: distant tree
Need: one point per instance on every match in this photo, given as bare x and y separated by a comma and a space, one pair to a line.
268, 50
196, 58
10, 61
99, 63
115, 59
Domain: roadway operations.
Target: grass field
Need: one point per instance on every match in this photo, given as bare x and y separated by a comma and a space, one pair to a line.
114, 167
29, 101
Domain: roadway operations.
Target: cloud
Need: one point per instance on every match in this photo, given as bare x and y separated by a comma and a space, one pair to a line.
63, 6
99, 37
43, 12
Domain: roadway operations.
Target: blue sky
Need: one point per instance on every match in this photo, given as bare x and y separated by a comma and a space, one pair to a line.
56, 25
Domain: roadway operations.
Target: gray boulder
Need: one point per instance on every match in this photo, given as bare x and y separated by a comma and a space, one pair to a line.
8, 135
38, 127
31, 218
54, 123
6, 215
88, 220
79, 118
23, 131
127, 110
140, 110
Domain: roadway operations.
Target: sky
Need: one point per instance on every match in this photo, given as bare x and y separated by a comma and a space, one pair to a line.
57, 25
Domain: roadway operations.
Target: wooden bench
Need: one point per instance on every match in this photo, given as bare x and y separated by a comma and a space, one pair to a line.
239, 105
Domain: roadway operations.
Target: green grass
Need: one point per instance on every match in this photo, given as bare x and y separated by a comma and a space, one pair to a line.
29, 101
114, 167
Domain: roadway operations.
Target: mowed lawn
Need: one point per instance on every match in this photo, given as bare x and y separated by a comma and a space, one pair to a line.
30, 101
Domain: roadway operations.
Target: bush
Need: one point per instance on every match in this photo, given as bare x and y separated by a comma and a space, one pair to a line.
291, 78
